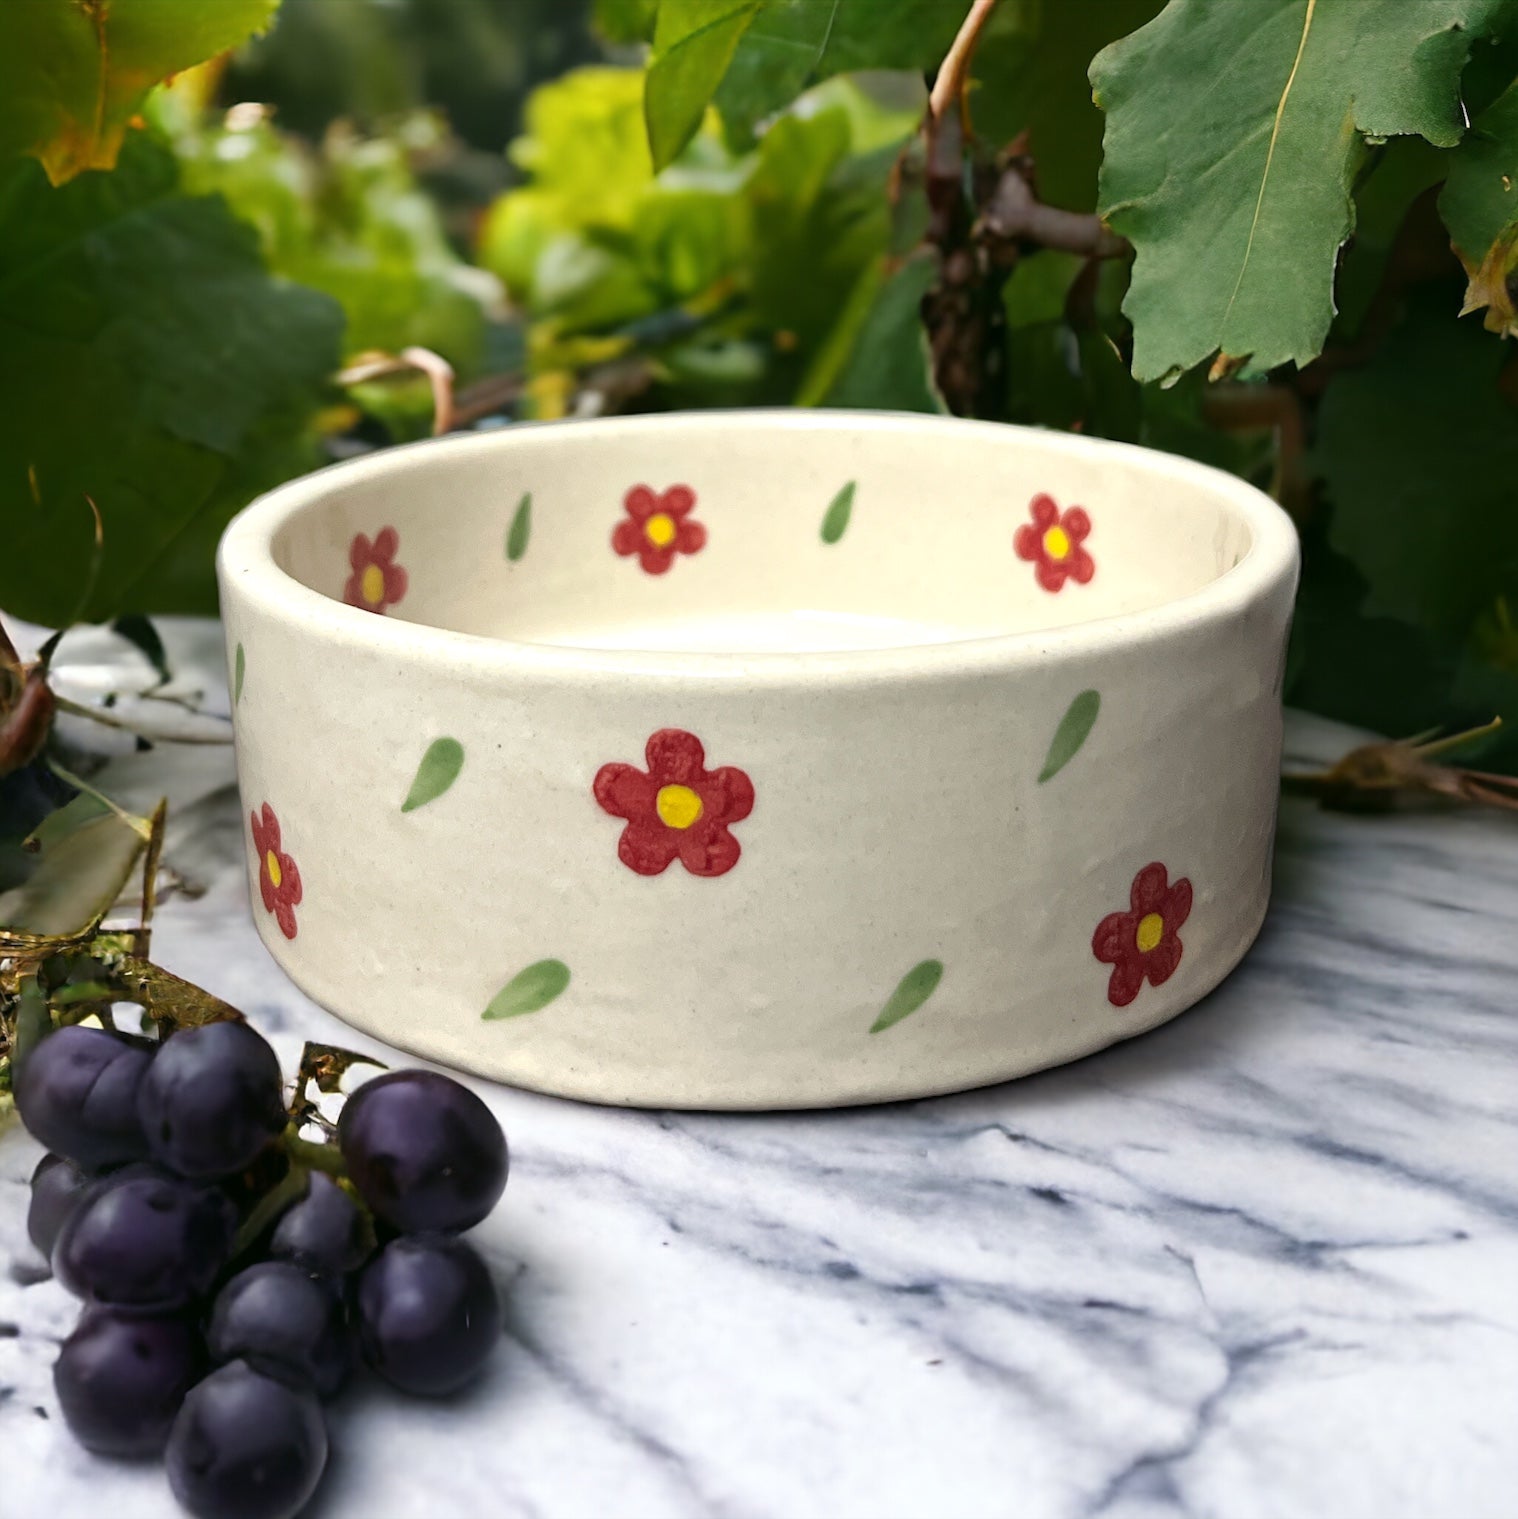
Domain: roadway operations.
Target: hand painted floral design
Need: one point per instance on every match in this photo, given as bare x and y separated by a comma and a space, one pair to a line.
678, 809
658, 526
1052, 544
278, 878
377, 581
1143, 944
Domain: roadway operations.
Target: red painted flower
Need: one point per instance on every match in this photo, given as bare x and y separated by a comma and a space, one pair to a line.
658, 526
1143, 943
377, 581
1052, 543
278, 878
677, 810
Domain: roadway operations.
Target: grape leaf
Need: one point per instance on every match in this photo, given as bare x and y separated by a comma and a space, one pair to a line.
73, 73
1418, 450
87, 855
793, 44
1479, 205
1233, 135
156, 352
693, 45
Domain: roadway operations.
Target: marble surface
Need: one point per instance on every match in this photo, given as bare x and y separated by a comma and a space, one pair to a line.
1260, 1262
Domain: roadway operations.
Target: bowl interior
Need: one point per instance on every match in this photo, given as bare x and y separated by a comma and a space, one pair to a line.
762, 531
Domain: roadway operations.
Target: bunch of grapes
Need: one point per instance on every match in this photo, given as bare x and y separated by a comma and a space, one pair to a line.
232, 1271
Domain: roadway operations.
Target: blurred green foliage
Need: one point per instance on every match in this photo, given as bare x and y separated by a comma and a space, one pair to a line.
592, 205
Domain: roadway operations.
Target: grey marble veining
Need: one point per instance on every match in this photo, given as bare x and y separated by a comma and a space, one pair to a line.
1260, 1262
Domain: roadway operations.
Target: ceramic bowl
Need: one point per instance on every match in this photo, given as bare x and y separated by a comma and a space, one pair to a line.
759, 759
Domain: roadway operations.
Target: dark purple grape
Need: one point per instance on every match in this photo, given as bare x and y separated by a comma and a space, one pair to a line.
246, 1446
77, 1094
286, 1323
325, 1230
429, 1314
146, 1240
212, 1100
57, 1187
424, 1152
121, 1378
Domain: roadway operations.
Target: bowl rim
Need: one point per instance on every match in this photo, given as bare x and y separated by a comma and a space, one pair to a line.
247, 569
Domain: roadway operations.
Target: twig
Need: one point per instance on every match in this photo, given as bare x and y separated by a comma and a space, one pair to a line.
1015, 214
954, 72
95, 715
439, 373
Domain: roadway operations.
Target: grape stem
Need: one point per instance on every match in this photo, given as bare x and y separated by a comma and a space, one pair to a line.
313, 1157
289, 1189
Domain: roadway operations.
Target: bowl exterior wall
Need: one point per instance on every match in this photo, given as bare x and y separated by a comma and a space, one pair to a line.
902, 863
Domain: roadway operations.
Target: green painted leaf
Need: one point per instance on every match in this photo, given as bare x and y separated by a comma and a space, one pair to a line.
1074, 728
694, 42
793, 44
529, 991
1233, 136
914, 989
835, 521
151, 314
239, 670
73, 73
521, 529
438, 770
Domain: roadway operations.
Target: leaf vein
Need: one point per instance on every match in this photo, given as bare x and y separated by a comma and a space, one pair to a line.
1270, 153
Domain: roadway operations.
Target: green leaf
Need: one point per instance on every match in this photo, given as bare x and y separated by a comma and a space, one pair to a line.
159, 358
625, 20
1233, 136
911, 992
1479, 205
349, 218
694, 41
1418, 452
1480, 196
87, 855
73, 73
239, 670
835, 520
520, 530
792, 44
529, 991
890, 367
438, 770
819, 217
1074, 729
143, 636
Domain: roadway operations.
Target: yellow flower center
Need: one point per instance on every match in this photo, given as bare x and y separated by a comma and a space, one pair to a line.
1151, 930
678, 806
271, 864
373, 588
660, 530
1056, 542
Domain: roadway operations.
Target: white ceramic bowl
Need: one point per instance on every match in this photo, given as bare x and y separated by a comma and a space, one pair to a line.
759, 759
